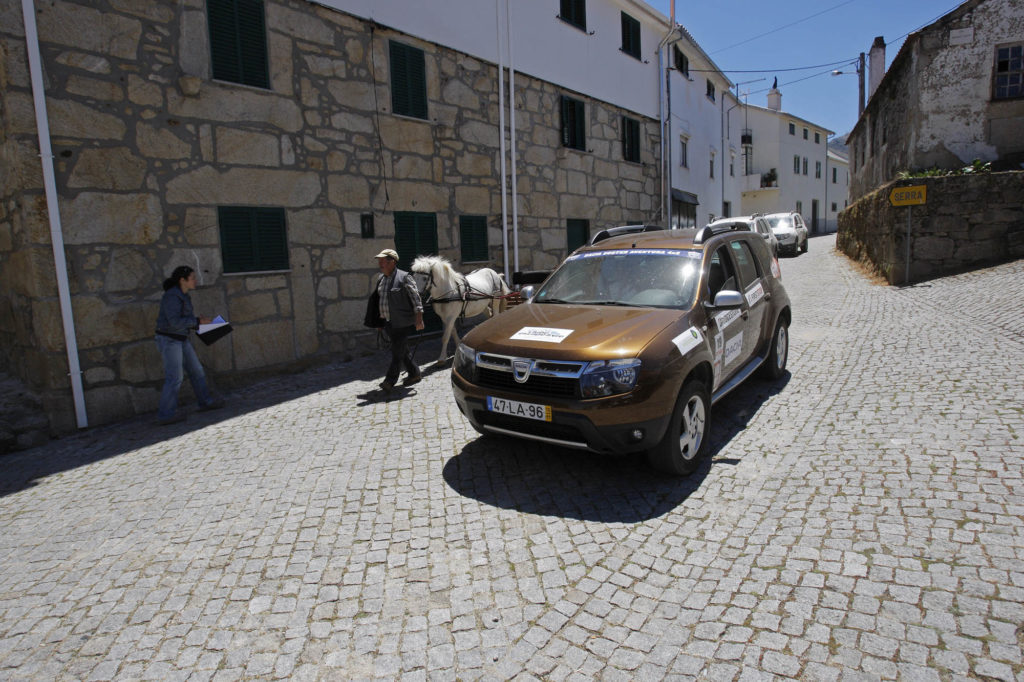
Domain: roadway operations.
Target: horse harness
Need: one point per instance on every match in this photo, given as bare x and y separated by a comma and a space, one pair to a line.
464, 292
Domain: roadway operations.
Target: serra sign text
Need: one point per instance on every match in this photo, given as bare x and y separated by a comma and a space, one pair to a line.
909, 196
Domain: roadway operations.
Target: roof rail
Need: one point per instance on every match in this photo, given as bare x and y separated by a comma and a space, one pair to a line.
707, 232
623, 229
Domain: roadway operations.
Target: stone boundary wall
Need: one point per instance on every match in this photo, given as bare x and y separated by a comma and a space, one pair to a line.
968, 221
147, 146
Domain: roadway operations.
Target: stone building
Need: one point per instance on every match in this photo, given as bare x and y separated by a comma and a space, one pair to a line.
275, 146
953, 94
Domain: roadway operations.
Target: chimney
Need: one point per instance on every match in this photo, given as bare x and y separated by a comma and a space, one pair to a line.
876, 69
775, 99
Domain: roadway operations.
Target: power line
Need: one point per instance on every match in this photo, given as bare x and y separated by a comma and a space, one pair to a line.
775, 30
796, 68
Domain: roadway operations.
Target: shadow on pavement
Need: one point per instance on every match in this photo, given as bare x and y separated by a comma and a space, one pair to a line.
547, 480
23, 469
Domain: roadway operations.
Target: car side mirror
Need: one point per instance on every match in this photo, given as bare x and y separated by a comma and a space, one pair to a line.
527, 292
727, 300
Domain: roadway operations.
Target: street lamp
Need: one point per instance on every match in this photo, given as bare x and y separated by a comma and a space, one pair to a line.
858, 66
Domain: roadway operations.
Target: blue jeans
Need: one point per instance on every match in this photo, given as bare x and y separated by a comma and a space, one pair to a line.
178, 356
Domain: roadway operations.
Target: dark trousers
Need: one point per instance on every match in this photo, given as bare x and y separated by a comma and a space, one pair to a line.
400, 354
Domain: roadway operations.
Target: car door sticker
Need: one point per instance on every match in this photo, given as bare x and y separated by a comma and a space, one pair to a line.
755, 294
776, 273
546, 334
719, 350
724, 319
733, 347
688, 340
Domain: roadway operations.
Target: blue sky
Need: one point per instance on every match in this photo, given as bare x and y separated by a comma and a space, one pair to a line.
790, 34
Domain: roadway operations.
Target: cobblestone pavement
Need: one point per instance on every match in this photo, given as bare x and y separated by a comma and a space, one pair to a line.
862, 518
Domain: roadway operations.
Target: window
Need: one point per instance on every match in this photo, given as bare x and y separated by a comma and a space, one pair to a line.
711, 91
805, 133
834, 207
473, 237
792, 129
746, 262
415, 235
732, 165
800, 207
796, 165
817, 169
630, 139
834, 176
726, 209
817, 137
683, 160
682, 63
408, 81
805, 165
630, 36
577, 233
573, 123
252, 239
574, 12
238, 41
1009, 72
366, 226
711, 166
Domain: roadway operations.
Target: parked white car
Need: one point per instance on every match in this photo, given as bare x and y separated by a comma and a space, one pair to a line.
790, 230
754, 223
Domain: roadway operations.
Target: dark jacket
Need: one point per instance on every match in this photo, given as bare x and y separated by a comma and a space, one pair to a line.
176, 317
403, 299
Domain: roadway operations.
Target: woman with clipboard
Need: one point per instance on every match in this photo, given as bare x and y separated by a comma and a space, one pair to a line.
174, 323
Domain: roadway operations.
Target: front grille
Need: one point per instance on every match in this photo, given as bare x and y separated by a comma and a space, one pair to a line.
536, 384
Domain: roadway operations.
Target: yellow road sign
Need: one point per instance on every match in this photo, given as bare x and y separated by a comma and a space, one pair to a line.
909, 196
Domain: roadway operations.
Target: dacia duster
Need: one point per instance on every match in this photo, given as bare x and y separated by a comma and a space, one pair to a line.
629, 342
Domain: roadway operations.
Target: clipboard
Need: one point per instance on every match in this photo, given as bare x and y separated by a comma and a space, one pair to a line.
208, 333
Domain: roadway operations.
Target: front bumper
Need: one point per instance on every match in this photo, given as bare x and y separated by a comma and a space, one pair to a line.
573, 423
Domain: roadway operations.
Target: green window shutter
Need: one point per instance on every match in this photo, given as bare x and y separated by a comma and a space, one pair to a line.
238, 41
473, 235
574, 12
252, 239
415, 235
408, 80
630, 36
630, 139
577, 233
573, 123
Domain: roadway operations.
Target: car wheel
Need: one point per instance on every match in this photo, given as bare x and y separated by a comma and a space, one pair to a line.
803, 249
778, 353
684, 444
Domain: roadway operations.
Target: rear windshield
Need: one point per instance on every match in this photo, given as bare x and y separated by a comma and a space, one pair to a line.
658, 278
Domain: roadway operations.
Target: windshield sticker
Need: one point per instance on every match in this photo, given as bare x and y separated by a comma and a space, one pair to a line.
723, 320
547, 334
776, 273
635, 252
755, 294
688, 340
733, 347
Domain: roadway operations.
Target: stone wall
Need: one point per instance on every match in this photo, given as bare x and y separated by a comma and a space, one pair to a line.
968, 222
147, 146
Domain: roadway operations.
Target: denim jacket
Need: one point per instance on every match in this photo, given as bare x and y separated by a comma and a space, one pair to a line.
176, 317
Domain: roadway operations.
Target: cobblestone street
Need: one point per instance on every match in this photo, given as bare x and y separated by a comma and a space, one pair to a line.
861, 518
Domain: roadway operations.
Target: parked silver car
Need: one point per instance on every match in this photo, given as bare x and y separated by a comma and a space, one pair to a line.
790, 230
754, 223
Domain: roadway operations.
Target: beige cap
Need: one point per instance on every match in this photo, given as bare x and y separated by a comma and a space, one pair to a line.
388, 253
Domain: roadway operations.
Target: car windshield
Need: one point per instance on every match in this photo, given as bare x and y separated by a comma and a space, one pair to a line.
780, 222
659, 278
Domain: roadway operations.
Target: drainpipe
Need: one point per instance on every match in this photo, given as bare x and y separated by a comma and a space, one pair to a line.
512, 134
665, 114
50, 188
501, 137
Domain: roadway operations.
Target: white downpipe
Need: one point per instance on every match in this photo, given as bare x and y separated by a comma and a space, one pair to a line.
501, 138
512, 134
50, 188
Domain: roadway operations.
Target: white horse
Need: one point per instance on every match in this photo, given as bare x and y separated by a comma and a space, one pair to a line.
453, 294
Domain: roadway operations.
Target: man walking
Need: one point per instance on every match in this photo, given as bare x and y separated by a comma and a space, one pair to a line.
402, 310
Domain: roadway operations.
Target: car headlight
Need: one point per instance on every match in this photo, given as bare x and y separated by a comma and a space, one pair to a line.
609, 377
465, 361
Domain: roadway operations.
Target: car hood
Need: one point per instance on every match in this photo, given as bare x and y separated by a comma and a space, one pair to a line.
572, 332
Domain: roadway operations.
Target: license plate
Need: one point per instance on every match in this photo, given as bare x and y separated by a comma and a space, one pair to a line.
518, 409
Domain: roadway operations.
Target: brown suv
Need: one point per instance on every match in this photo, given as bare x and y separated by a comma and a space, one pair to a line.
626, 345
